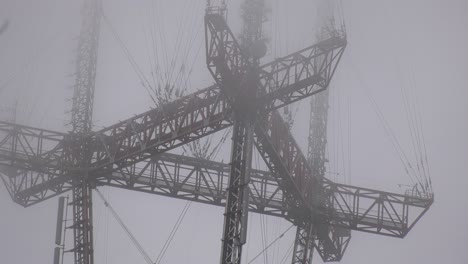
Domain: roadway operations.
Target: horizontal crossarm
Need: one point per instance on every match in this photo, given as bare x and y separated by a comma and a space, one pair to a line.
300, 74
285, 80
42, 154
33, 162
30, 187
159, 130
205, 181
33, 159
32, 148
374, 211
197, 180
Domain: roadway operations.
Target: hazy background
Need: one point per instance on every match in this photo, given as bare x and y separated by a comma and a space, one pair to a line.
390, 44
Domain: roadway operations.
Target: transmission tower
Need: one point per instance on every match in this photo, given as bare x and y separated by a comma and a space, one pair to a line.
38, 164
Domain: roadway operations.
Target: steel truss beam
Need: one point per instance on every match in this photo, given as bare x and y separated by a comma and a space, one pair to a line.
33, 162
32, 149
206, 182
197, 180
284, 157
301, 74
172, 125
372, 211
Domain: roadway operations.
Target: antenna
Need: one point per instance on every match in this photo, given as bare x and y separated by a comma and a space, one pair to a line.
60, 231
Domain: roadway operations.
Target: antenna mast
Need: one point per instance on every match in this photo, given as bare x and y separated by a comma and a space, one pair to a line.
81, 122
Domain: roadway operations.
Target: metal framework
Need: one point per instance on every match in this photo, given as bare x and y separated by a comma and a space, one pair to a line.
303, 245
206, 181
37, 164
81, 122
339, 237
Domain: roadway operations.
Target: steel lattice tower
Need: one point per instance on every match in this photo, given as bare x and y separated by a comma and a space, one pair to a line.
81, 122
37, 164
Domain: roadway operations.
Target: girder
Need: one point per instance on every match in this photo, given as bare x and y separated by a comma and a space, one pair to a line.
29, 187
159, 130
206, 182
282, 156
31, 159
301, 74
367, 210
197, 180
32, 149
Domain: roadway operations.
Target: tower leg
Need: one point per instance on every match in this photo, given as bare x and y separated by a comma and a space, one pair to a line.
82, 113
83, 224
303, 245
236, 213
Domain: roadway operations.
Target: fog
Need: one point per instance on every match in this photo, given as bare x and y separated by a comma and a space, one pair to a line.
396, 46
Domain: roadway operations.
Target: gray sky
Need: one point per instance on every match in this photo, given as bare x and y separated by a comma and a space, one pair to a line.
389, 44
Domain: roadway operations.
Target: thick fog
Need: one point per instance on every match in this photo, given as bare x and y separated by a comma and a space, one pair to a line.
397, 50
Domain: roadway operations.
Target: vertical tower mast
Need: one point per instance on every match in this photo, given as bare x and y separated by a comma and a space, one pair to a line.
308, 235
83, 93
82, 111
236, 212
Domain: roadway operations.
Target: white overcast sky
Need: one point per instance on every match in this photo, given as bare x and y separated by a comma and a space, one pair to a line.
390, 44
